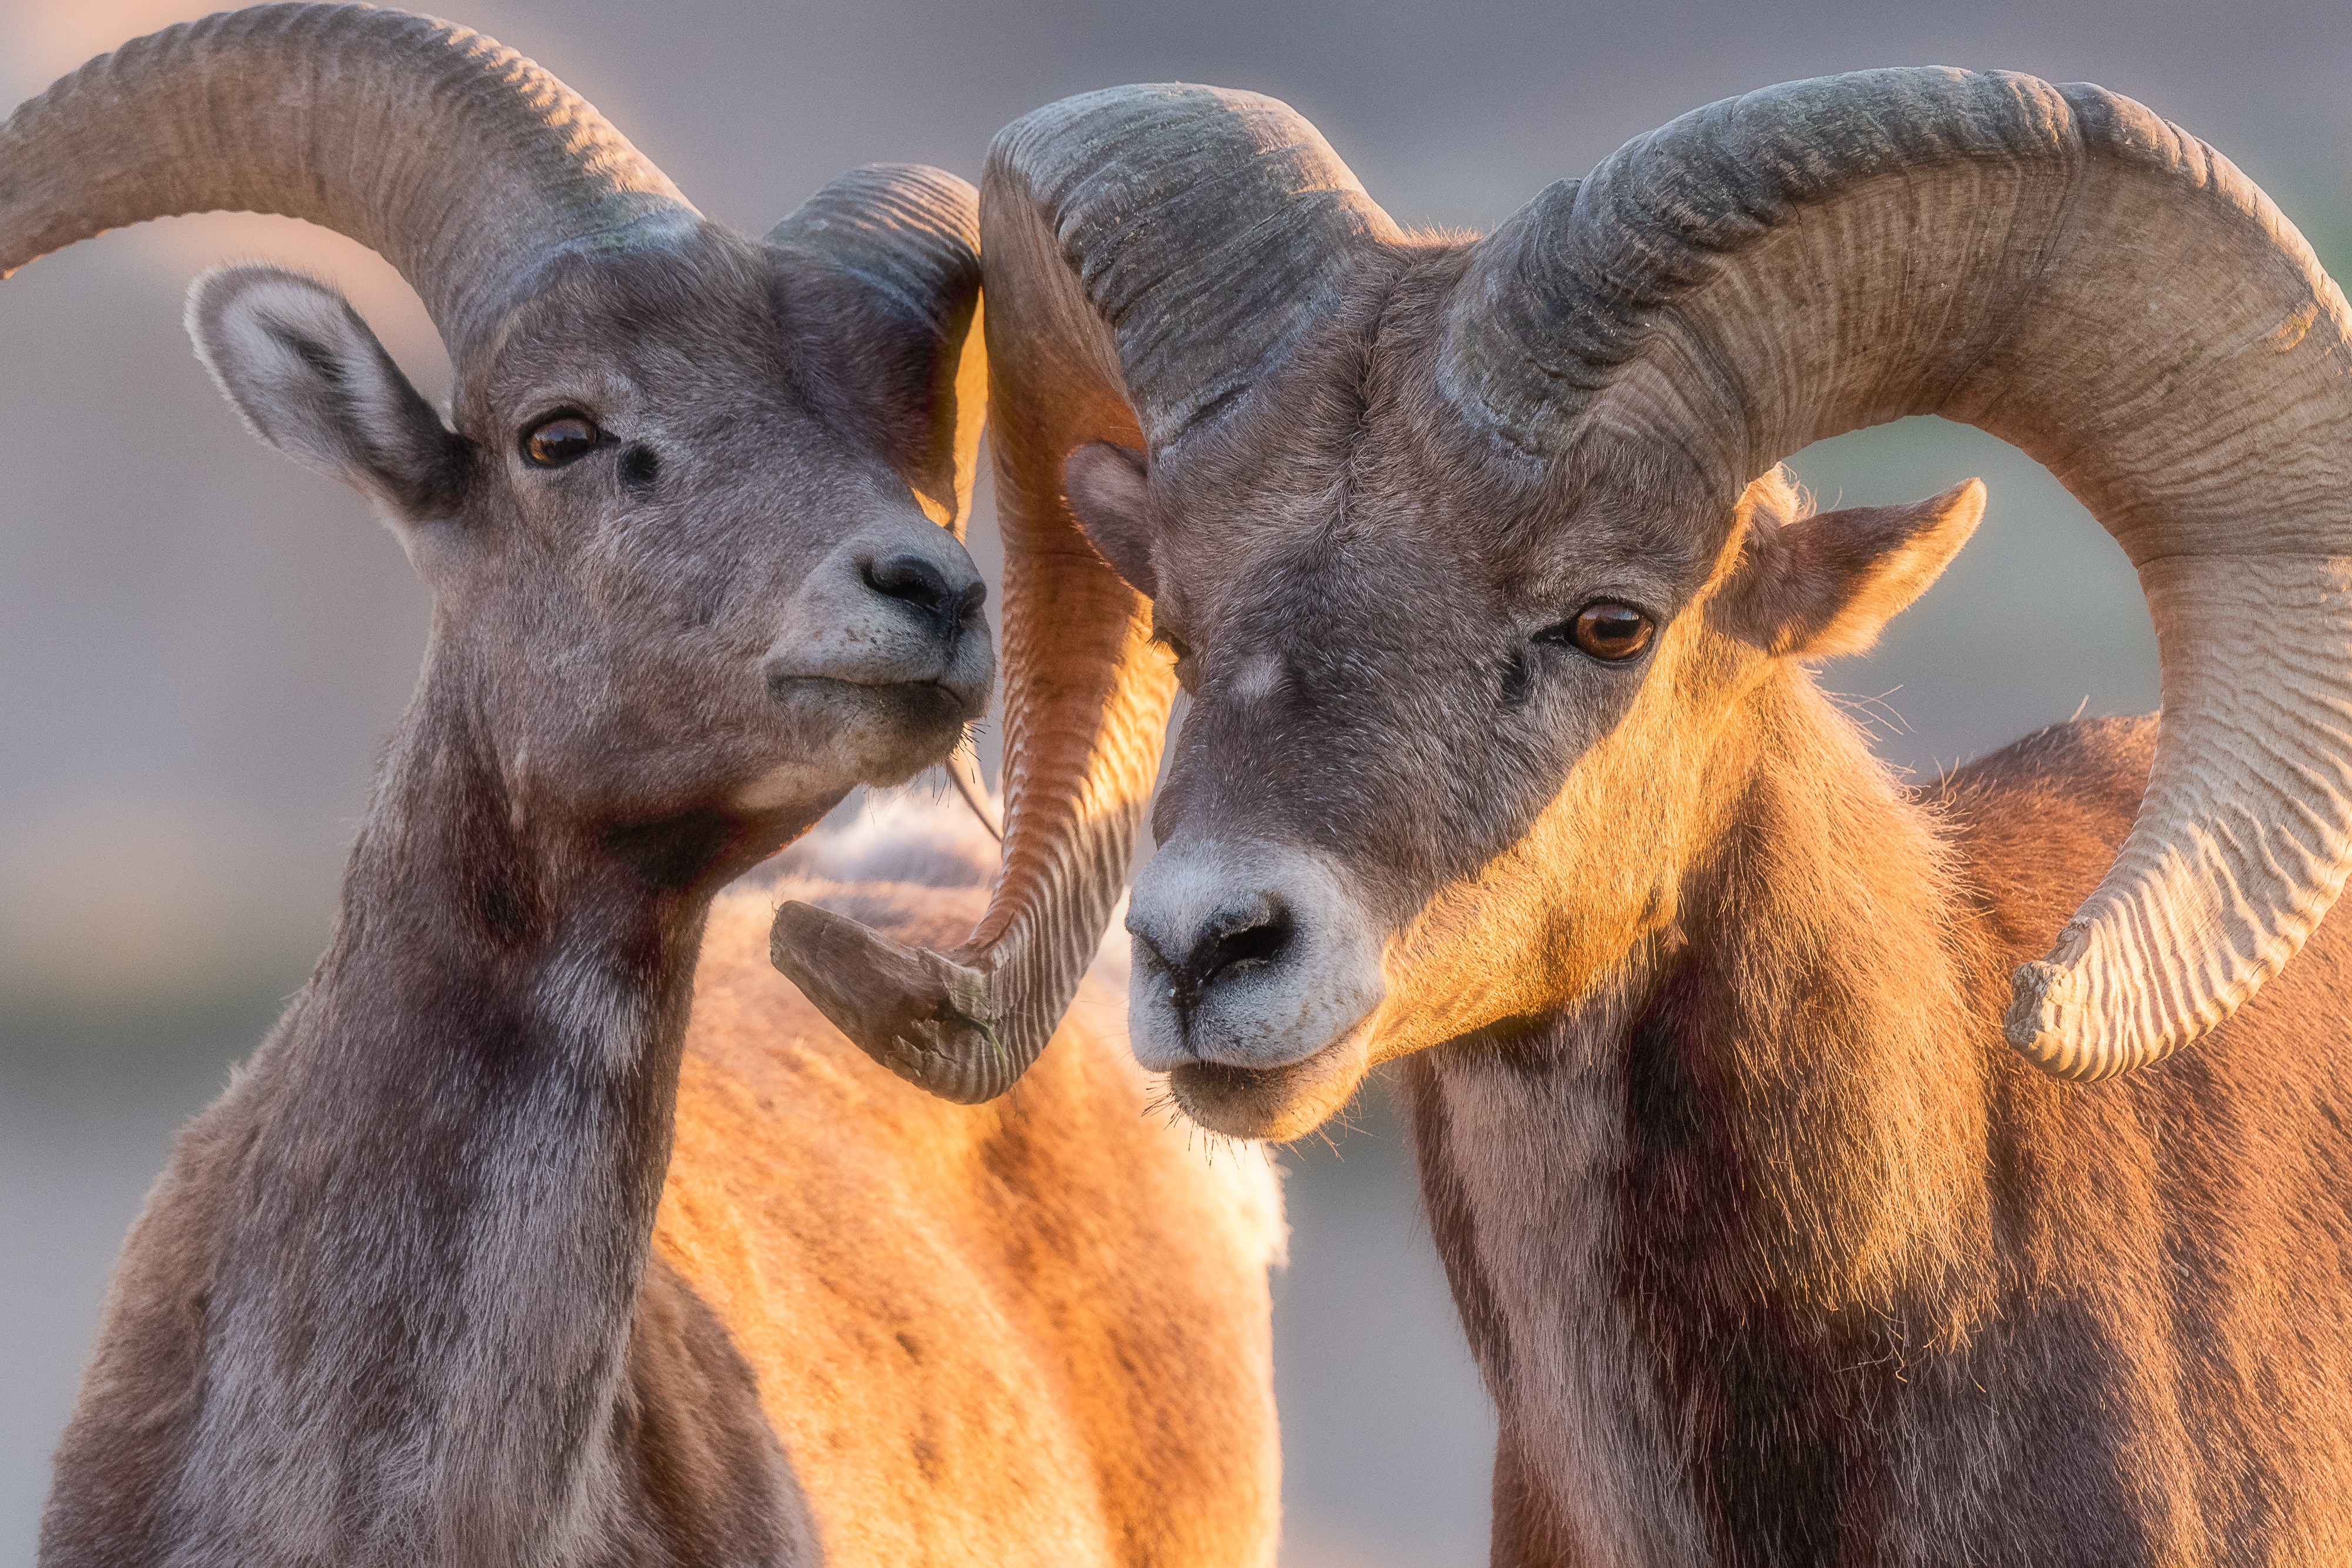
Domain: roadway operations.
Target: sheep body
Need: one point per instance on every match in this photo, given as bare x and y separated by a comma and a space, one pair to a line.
1796, 1261
1504, 759
689, 523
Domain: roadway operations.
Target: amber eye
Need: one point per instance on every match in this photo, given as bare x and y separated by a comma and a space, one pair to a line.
1608, 631
566, 438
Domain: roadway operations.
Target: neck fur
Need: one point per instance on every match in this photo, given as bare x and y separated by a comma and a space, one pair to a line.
1803, 1080
427, 1269
1761, 1146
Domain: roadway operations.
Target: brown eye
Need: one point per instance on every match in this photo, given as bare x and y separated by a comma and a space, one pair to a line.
566, 438
1610, 632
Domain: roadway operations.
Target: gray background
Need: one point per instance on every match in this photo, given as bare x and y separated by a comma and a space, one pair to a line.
200, 644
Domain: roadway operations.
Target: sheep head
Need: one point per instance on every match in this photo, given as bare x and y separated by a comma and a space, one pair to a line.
1456, 739
684, 522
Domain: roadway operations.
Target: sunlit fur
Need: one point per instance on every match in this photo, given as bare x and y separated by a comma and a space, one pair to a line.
1035, 1330
1770, 1250
1792, 1260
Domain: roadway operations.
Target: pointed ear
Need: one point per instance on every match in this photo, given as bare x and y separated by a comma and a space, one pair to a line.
1824, 585
1105, 487
311, 380
899, 245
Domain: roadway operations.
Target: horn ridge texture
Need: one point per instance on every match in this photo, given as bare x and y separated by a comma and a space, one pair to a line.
911, 235
911, 231
1204, 224
1581, 273
2061, 268
460, 162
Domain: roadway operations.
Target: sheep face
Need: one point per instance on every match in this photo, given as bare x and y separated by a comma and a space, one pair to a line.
1459, 721
679, 571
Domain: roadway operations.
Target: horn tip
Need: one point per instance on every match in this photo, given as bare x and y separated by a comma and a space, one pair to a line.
2050, 1023
925, 1017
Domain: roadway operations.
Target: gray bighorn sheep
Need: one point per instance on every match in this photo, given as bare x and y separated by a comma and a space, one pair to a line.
1503, 751
396, 1298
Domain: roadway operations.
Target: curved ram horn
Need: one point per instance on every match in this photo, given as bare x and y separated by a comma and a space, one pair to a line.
1150, 284
2058, 266
911, 235
462, 163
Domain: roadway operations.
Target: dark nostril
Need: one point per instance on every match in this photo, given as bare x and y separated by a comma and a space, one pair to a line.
922, 587
1232, 942
908, 578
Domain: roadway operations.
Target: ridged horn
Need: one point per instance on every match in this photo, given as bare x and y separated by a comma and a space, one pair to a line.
459, 160
911, 235
1156, 246
2059, 267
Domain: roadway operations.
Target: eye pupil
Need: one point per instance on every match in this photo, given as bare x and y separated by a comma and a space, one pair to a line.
563, 439
1611, 631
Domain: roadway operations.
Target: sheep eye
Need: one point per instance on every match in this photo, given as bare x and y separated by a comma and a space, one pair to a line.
1607, 631
566, 438
1611, 630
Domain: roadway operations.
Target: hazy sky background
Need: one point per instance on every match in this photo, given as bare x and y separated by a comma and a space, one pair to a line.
200, 645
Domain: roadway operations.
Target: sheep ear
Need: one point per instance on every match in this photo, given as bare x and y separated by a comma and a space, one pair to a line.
1105, 487
311, 380
1827, 584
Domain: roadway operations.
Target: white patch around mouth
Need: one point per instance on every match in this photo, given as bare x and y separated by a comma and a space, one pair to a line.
1324, 983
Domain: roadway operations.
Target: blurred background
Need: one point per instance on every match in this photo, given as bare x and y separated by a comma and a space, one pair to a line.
201, 644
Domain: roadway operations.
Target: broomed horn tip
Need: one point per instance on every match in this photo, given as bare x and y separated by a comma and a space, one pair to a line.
927, 1019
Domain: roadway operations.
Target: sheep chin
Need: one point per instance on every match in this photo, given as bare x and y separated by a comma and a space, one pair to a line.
1274, 1105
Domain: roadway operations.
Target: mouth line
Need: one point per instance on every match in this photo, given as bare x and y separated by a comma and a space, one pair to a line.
1189, 1033
1356, 1037
1195, 1057
779, 686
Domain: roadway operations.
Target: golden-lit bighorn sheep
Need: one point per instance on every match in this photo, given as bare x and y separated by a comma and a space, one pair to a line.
1503, 752
397, 1299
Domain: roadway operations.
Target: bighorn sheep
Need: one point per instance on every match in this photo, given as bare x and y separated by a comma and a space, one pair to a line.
1503, 750
397, 1297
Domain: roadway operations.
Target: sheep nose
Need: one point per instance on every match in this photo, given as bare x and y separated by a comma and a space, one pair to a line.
1229, 944
1248, 953
918, 584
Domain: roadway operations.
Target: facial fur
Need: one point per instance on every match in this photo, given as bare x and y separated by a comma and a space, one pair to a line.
1368, 614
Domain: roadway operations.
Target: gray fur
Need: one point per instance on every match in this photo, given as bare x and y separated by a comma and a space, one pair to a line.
394, 1301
